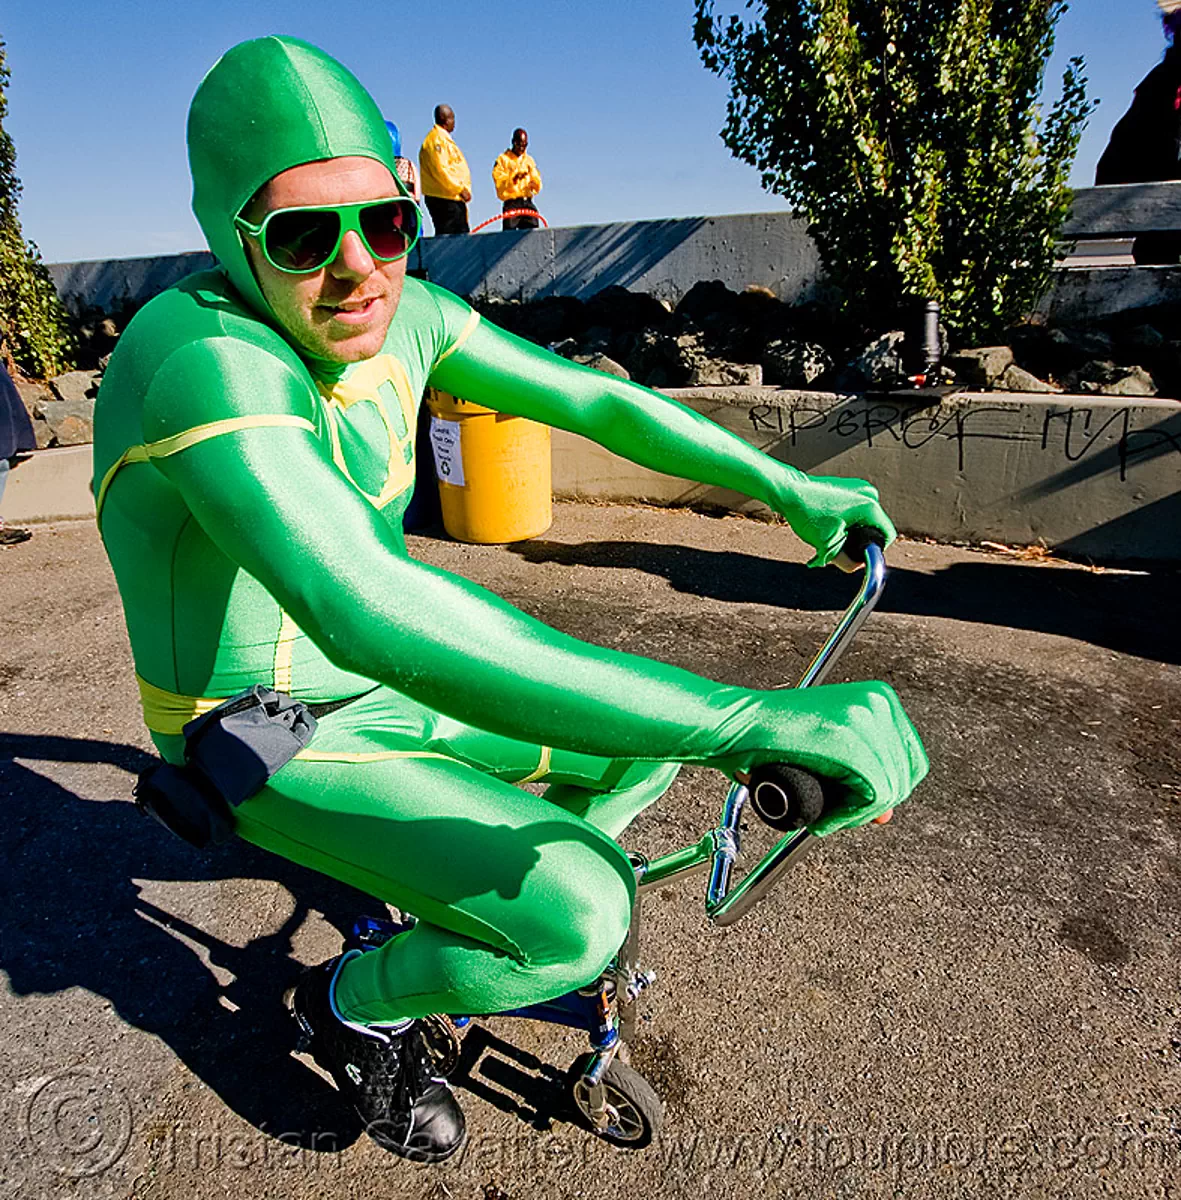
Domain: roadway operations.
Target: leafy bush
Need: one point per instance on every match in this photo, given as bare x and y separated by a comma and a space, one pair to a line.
911, 135
35, 333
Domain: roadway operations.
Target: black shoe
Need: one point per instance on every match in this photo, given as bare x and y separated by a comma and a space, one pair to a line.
11, 535
383, 1070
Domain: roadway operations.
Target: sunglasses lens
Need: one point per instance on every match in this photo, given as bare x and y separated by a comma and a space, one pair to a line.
302, 241
390, 228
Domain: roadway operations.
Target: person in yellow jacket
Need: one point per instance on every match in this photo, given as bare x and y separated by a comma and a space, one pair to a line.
446, 180
517, 181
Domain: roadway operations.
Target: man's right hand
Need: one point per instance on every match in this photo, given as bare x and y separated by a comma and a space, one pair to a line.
465, 195
854, 733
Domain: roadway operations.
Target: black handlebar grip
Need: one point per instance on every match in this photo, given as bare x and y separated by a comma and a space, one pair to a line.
860, 537
786, 797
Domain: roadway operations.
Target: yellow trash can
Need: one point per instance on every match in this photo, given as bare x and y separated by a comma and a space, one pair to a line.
495, 478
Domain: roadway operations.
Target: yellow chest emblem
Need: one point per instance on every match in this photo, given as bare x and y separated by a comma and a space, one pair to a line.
371, 416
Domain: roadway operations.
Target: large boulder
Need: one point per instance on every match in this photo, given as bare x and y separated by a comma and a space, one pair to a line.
795, 364
1016, 379
600, 362
1140, 343
598, 339
622, 311
43, 433
70, 422
703, 369
1103, 377
716, 372
1134, 381
654, 358
983, 366
552, 317
1086, 344
760, 310
663, 360
1148, 347
707, 299
881, 363
545, 321
33, 394
1055, 352
76, 385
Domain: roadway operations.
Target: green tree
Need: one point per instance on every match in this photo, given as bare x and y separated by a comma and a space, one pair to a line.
35, 333
911, 134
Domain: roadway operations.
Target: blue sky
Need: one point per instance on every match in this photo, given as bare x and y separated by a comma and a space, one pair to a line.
623, 118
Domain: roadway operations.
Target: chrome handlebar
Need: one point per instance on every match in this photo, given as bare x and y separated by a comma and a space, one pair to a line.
718, 850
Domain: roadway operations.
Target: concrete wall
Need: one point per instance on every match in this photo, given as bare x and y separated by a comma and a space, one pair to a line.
1091, 476
1088, 293
111, 283
662, 257
1094, 477
665, 258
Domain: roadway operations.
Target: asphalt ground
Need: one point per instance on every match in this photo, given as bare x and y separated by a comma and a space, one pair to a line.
980, 999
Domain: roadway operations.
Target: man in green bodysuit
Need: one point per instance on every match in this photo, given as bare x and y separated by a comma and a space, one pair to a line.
254, 453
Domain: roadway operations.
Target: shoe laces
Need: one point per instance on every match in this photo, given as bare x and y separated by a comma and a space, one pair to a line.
414, 1064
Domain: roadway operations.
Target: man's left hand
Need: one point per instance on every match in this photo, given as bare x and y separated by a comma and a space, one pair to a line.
822, 510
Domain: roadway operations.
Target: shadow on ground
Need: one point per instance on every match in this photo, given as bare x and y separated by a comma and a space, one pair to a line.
80, 919
1129, 613
511, 1079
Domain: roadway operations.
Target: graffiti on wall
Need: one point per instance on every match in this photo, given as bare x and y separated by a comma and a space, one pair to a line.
1070, 431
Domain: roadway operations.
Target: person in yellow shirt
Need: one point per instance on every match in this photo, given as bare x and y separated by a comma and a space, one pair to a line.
446, 180
517, 181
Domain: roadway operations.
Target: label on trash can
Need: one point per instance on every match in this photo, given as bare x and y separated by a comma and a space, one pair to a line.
445, 443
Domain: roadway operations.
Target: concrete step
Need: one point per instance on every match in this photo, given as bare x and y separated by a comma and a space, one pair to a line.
49, 485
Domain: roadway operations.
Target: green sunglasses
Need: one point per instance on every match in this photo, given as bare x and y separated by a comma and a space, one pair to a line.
298, 241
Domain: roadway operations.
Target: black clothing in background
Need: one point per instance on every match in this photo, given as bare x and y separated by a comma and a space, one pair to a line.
449, 216
520, 222
1145, 147
16, 430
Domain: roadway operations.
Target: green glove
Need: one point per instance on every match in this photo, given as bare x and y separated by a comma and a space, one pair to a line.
821, 510
854, 733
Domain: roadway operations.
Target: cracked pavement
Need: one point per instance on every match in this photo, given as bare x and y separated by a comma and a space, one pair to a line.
979, 999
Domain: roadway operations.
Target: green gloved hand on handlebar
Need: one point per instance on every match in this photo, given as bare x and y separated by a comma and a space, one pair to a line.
855, 734
822, 510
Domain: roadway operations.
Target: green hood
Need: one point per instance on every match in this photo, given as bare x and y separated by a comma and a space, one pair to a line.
267, 105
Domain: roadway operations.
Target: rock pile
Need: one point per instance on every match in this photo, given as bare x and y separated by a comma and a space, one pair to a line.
1128, 357
62, 410
715, 336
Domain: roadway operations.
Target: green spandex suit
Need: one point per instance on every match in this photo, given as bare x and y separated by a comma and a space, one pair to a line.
250, 499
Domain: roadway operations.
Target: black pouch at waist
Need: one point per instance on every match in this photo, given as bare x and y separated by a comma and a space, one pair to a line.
230, 753
240, 744
185, 804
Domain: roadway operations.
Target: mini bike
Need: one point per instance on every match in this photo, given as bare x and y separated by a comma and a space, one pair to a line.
614, 1101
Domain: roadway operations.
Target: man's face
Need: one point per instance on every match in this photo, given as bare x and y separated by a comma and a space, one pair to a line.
448, 121
341, 312
520, 142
